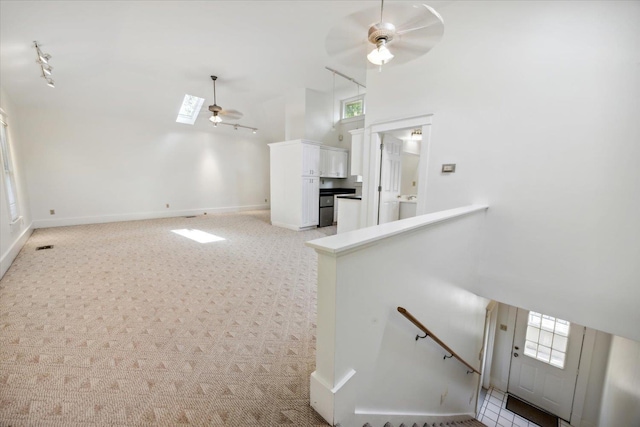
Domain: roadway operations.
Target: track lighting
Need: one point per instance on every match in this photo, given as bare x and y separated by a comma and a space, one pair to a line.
236, 126
43, 62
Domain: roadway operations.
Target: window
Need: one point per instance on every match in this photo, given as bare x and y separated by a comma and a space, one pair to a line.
190, 109
7, 173
352, 107
547, 339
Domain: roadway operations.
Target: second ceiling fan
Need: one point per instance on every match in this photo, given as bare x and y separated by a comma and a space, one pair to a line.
218, 112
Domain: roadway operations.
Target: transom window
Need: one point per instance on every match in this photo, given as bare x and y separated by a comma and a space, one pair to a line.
547, 339
352, 107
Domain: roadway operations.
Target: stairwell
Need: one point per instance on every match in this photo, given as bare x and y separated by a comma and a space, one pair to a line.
471, 422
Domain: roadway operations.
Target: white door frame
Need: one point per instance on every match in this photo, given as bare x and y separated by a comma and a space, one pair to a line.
372, 159
584, 367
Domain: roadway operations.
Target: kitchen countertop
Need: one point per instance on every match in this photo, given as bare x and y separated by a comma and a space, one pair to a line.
334, 191
350, 197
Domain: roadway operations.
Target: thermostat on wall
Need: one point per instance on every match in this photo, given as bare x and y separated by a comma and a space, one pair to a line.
449, 168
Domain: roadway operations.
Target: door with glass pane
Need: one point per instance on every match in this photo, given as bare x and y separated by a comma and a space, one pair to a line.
544, 361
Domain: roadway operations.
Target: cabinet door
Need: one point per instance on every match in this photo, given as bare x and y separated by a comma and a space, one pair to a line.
325, 162
342, 160
310, 201
310, 160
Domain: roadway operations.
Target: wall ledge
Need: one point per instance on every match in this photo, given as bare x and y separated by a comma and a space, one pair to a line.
344, 243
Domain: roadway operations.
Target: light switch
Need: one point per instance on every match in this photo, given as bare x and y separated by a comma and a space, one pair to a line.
449, 168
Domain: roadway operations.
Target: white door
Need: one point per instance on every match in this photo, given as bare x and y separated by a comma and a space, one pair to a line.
544, 361
390, 174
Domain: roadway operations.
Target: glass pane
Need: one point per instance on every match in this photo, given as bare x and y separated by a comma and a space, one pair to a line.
533, 333
534, 318
544, 353
530, 349
557, 359
559, 343
546, 338
562, 327
548, 322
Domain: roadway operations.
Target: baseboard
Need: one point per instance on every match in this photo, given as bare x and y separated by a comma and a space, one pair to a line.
64, 222
292, 227
7, 258
380, 419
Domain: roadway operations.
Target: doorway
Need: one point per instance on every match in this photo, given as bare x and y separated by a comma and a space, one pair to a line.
396, 184
544, 361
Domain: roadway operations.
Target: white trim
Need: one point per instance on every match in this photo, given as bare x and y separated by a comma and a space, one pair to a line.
323, 398
371, 165
63, 222
10, 255
584, 371
340, 244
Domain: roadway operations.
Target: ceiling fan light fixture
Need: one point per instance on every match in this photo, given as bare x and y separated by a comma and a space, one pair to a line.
380, 55
215, 119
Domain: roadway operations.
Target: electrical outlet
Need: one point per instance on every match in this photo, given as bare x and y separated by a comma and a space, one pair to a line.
167, 204
52, 211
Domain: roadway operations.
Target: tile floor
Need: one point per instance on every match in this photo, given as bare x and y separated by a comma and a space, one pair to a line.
494, 414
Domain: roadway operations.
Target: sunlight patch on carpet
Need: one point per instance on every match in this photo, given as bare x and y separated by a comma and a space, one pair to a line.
198, 235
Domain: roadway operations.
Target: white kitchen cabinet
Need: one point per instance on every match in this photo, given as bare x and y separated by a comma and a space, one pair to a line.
310, 159
333, 162
295, 182
310, 201
357, 147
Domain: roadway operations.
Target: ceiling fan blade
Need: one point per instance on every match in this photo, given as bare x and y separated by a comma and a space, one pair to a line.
347, 41
231, 114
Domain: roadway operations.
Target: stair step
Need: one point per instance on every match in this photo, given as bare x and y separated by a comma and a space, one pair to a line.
472, 422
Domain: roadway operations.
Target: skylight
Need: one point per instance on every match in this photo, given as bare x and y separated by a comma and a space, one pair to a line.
198, 235
190, 109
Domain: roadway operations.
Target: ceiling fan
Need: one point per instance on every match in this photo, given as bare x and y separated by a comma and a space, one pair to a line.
218, 112
402, 33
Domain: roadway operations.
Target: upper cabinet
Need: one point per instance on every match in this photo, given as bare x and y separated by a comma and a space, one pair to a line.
357, 142
310, 159
334, 162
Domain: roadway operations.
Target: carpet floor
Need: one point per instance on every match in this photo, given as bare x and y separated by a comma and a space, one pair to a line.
131, 324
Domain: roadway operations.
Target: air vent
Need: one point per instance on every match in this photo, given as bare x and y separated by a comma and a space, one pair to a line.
39, 248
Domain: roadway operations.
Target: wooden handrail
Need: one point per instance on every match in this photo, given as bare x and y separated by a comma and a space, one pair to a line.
424, 329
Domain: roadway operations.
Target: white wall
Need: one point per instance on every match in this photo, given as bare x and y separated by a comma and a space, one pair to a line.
13, 236
537, 104
92, 168
359, 290
621, 399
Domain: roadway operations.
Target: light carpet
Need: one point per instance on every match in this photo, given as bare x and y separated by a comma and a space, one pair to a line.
130, 324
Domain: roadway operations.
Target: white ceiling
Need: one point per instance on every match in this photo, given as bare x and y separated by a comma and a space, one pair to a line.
139, 58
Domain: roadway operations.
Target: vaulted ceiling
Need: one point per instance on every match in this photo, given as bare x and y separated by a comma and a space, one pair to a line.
139, 58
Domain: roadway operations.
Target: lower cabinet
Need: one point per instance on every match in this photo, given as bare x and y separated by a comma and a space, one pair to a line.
310, 201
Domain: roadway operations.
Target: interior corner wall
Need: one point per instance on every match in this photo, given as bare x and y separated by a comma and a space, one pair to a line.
13, 236
621, 397
537, 105
94, 168
294, 112
317, 115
